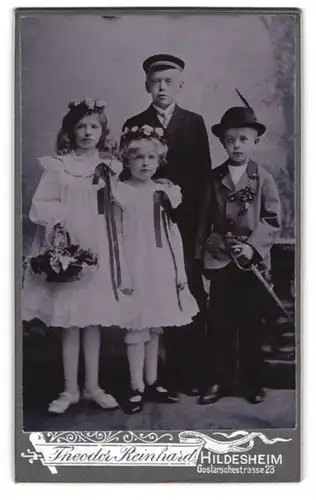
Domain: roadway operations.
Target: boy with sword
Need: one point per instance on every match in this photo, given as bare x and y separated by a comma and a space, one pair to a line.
239, 222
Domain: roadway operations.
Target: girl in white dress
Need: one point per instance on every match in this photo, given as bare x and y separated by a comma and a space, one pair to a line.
156, 257
79, 193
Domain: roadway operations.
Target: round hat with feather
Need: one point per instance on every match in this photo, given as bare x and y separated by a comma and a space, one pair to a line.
238, 117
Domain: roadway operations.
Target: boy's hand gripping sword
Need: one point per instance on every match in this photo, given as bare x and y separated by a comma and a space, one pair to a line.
213, 246
245, 265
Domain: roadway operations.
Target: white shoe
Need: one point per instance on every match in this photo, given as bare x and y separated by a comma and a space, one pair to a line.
101, 398
61, 404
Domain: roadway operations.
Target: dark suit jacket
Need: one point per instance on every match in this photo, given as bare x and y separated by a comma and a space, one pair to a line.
188, 164
221, 213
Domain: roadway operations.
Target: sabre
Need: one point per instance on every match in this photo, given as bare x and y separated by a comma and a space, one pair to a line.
213, 244
268, 286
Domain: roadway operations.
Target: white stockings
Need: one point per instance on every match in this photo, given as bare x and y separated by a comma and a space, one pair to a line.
143, 360
70, 352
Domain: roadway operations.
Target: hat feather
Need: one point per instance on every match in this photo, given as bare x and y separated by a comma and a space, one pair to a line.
244, 100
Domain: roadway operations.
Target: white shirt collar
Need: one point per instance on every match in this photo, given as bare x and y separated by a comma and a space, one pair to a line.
168, 111
241, 167
236, 171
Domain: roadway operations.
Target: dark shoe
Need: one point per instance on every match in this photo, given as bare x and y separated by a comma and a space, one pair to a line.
211, 395
160, 394
255, 397
134, 402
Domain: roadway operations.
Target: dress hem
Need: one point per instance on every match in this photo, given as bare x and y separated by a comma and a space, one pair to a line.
78, 324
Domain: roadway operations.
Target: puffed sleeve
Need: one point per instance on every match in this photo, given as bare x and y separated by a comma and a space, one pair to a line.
47, 209
174, 193
115, 166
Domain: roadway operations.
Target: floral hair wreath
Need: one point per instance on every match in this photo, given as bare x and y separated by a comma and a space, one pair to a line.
98, 105
144, 132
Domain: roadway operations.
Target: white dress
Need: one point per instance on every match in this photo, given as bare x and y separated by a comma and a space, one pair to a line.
66, 194
158, 269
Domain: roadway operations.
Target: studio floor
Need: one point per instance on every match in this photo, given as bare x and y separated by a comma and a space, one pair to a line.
277, 411
43, 380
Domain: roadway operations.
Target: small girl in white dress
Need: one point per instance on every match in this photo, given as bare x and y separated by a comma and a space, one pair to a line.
79, 192
156, 257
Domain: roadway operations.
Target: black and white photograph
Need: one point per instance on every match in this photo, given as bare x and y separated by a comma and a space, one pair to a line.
158, 184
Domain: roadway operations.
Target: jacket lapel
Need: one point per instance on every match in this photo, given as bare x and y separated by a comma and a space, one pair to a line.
250, 173
152, 117
175, 121
224, 176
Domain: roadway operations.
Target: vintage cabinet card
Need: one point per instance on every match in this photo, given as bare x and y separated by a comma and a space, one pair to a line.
157, 167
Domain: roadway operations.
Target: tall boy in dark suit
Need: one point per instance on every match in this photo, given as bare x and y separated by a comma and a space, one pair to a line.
239, 222
188, 165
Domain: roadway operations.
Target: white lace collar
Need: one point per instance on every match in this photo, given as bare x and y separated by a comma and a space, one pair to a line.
81, 166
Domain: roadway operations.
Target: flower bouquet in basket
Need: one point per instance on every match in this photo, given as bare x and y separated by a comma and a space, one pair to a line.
63, 262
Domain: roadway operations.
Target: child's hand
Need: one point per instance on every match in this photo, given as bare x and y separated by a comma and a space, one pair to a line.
60, 226
164, 181
243, 250
60, 236
56, 234
170, 192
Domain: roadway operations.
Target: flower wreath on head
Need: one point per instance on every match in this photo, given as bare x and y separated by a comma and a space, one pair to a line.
97, 105
144, 132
